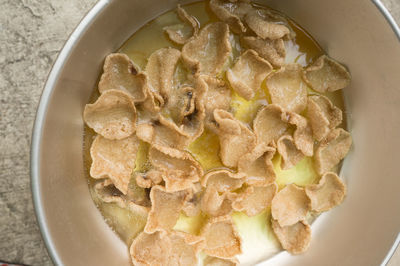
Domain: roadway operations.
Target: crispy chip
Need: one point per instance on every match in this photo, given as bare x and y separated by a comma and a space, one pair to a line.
184, 249
302, 135
231, 13
257, 165
120, 73
181, 33
326, 74
290, 154
234, 136
294, 238
271, 50
329, 192
248, 73
268, 124
221, 237
223, 180
323, 116
290, 205
113, 115
332, 150
114, 159
150, 249
215, 204
264, 28
208, 51
165, 209
287, 88
214, 261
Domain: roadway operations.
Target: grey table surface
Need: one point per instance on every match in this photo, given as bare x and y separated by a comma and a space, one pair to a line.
32, 32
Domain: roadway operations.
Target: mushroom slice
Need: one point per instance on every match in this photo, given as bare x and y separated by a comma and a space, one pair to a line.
231, 13
332, 150
113, 115
181, 33
302, 135
221, 237
323, 116
255, 199
294, 238
268, 124
328, 193
120, 73
289, 152
287, 88
150, 249
257, 165
272, 50
184, 249
290, 205
223, 180
114, 159
165, 209
264, 28
248, 73
326, 74
214, 261
208, 51
234, 136
215, 204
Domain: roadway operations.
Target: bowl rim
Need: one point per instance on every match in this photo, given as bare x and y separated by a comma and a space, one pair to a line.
48, 88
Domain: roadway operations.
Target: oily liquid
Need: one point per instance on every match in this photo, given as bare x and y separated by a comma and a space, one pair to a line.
258, 240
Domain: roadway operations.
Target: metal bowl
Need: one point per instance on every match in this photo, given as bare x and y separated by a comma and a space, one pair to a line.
362, 231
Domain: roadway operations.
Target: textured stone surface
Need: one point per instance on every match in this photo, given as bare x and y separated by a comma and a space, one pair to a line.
32, 32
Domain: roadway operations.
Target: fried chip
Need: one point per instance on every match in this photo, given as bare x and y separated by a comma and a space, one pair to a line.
120, 73
255, 199
221, 237
248, 73
323, 116
268, 124
150, 249
113, 115
290, 205
332, 150
181, 33
223, 180
294, 238
114, 159
257, 165
234, 136
265, 29
184, 249
214, 261
231, 13
328, 193
208, 51
289, 152
287, 88
326, 74
215, 204
165, 209
272, 50
302, 136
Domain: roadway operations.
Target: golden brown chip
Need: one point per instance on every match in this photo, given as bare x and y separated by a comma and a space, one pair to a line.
268, 124
294, 238
323, 116
248, 73
165, 209
181, 33
332, 150
264, 28
184, 249
113, 115
114, 159
290, 205
215, 204
255, 199
287, 88
302, 135
257, 165
328, 193
120, 73
289, 152
326, 74
231, 12
208, 51
221, 237
234, 136
214, 261
271, 50
223, 180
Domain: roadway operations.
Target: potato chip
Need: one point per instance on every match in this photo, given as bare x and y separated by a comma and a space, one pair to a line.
248, 73
289, 152
268, 124
221, 237
332, 150
120, 73
326, 74
215, 204
214, 261
231, 13
287, 88
181, 33
290, 205
271, 50
323, 116
184, 249
223, 180
150, 249
113, 115
302, 135
208, 51
263, 28
328, 193
294, 238
234, 136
